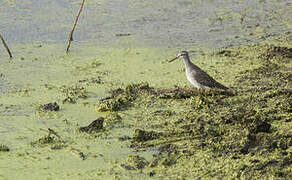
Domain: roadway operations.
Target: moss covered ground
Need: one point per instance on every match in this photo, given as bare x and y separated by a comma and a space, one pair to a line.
207, 135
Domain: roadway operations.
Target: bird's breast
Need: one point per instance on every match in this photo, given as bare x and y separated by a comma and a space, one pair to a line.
191, 76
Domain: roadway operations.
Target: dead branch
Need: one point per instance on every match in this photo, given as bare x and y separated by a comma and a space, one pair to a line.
74, 25
5, 45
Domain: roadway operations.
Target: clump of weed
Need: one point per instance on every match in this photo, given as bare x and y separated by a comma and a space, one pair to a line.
94, 126
50, 107
72, 94
134, 162
279, 52
112, 119
122, 97
142, 136
52, 139
4, 148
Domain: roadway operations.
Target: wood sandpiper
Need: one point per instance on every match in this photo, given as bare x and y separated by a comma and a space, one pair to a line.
197, 77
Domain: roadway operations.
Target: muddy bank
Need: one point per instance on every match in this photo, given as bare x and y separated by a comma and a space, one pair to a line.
209, 135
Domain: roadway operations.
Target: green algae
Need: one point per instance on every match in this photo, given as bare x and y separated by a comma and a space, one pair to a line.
142, 136
52, 139
183, 132
135, 162
121, 97
52, 79
113, 119
72, 94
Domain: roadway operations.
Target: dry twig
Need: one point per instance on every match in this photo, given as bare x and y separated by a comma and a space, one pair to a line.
5, 45
74, 25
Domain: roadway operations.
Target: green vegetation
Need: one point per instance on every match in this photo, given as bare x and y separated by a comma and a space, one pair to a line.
52, 139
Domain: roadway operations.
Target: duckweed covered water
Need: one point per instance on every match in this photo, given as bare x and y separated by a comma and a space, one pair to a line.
70, 83
150, 131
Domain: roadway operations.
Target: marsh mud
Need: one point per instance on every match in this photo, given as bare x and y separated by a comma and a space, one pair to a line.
155, 124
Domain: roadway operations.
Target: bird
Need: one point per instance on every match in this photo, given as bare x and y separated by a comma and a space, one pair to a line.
196, 76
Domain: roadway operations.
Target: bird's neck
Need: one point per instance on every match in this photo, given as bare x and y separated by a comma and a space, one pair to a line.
187, 62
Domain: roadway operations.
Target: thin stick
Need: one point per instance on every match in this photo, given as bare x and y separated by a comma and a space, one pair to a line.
71, 33
5, 45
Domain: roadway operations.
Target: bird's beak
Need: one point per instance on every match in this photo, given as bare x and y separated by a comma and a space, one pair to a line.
174, 59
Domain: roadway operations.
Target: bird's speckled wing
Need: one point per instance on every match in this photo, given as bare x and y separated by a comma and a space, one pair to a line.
203, 78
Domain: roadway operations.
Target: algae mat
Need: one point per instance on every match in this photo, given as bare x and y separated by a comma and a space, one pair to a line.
51, 100
75, 83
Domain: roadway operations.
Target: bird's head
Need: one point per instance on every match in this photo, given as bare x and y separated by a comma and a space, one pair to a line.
183, 54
